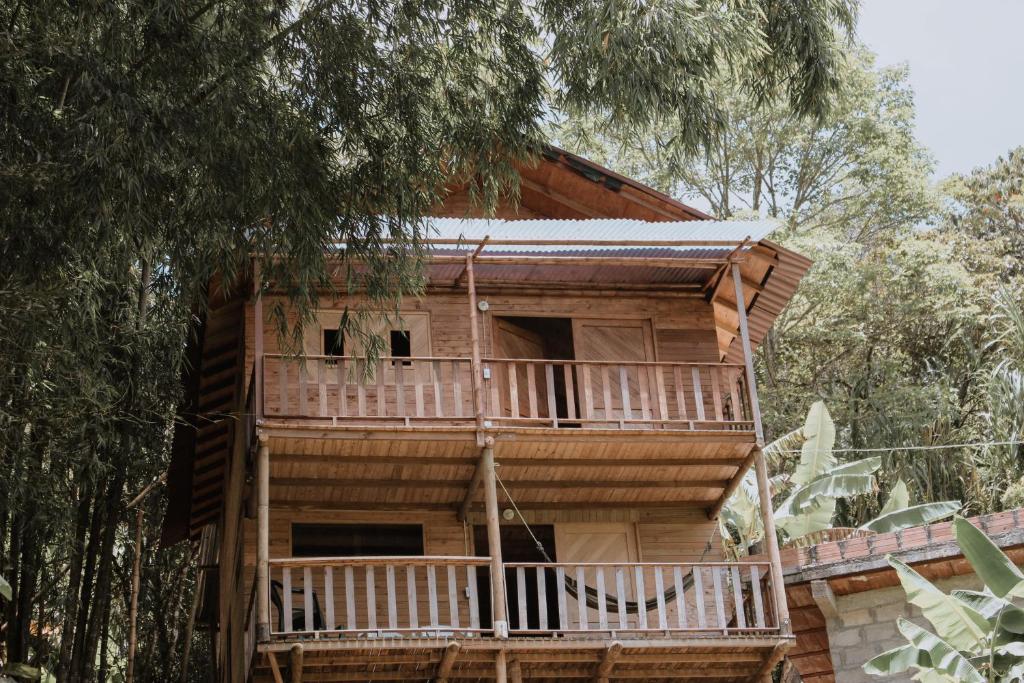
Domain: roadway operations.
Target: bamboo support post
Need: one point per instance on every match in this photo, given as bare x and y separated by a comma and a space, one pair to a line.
763, 486
263, 541
494, 543
501, 667
474, 326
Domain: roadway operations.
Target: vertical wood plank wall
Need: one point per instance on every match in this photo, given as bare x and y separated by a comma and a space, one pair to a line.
683, 325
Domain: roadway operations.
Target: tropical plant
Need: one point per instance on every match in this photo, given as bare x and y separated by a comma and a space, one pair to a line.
818, 482
978, 636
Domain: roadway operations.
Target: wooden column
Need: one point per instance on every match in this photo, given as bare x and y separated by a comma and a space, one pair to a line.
501, 667
494, 542
263, 540
257, 342
761, 469
474, 327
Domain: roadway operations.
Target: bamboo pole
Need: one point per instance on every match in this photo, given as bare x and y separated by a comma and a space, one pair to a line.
133, 610
763, 486
263, 541
474, 326
501, 667
494, 542
257, 291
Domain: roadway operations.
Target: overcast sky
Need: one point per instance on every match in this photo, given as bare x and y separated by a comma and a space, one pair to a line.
966, 62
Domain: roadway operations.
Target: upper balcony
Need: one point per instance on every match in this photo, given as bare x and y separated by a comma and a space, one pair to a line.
413, 392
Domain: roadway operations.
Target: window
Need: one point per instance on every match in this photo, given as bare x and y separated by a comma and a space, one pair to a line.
356, 540
334, 343
401, 344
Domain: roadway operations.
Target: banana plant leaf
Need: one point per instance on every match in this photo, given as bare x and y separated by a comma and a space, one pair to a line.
816, 457
936, 659
991, 565
956, 622
5, 589
851, 479
944, 657
1011, 617
899, 498
916, 515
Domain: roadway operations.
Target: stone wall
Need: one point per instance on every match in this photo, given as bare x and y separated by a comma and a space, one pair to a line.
867, 627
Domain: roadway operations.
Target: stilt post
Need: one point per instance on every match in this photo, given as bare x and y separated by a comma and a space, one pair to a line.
760, 468
263, 540
498, 610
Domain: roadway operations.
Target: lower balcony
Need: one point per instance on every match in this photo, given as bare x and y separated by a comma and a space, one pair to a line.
430, 618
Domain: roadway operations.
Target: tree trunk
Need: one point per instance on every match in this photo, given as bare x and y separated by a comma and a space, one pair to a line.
74, 670
133, 610
71, 600
101, 597
187, 647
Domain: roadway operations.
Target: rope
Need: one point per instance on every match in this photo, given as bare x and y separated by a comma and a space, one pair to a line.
591, 594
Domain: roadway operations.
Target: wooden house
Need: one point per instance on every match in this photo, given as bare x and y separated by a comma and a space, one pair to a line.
525, 485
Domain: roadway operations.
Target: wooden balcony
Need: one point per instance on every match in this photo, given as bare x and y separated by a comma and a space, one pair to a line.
409, 392
404, 432
428, 618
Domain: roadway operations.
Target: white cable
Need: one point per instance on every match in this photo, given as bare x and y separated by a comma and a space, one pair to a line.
914, 448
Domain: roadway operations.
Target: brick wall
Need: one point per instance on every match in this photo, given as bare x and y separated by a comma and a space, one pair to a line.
867, 627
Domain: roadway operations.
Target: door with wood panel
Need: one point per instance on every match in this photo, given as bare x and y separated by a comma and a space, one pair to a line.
607, 543
529, 387
614, 390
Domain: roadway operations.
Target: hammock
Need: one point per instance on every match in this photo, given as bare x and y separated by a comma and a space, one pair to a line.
591, 594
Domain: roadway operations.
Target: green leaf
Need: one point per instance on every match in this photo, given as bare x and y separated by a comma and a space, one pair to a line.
1011, 617
954, 621
917, 515
816, 455
897, 661
5, 589
899, 498
943, 656
991, 565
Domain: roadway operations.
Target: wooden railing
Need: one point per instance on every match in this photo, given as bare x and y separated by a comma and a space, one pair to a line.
626, 395
525, 393
409, 597
392, 389
385, 597
725, 598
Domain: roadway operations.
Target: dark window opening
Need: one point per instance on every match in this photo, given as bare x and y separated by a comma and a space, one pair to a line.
334, 343
356, 540
401, 345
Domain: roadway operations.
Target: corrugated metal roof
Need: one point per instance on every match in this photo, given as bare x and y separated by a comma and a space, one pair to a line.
473, 230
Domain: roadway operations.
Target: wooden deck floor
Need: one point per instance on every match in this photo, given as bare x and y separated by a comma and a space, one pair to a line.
707, 659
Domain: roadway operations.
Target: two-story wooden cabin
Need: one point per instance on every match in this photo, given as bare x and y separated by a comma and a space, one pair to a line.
525, 486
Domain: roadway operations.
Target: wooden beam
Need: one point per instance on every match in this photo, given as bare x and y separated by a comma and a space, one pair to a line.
275, 670
764, 673
611, 655
474, 329
307, 505
501, 667
474, 484
824, 598
263, 540
763, 486
295, 663
733, 484
494, 549
444, 669
515, 671
544, 484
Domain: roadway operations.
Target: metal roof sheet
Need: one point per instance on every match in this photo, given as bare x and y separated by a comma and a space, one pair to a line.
473, 230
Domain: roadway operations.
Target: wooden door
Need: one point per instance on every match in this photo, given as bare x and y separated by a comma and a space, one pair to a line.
609, 544
619, 342
516, 342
